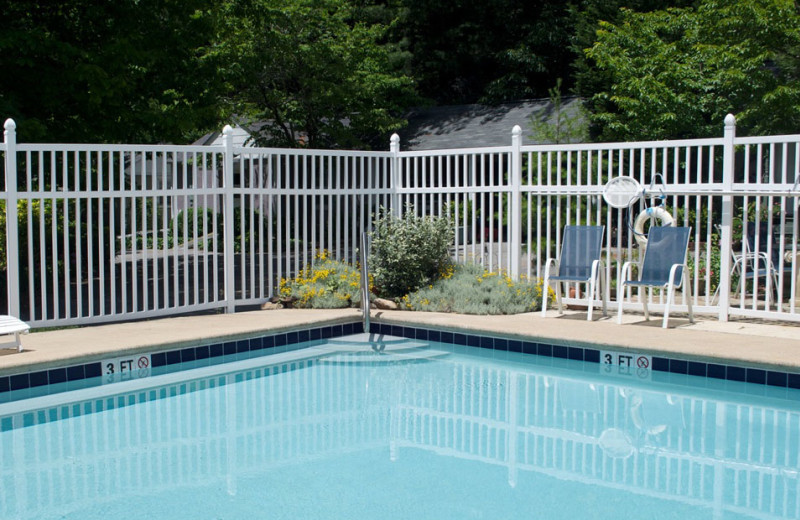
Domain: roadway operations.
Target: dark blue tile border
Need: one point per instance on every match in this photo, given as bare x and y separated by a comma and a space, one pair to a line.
74, 375
591, 355
751, 375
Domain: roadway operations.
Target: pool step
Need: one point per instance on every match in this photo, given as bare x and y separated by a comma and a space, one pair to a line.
378, 348
365, 338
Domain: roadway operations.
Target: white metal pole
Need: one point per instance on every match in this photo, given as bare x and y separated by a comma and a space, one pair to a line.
728, 165
394, 148
12, 229
515, 201
228, 268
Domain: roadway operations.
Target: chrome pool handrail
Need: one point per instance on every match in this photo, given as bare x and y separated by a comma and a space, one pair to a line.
364, 280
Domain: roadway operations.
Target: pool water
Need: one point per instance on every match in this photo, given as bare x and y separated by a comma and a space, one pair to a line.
399, 428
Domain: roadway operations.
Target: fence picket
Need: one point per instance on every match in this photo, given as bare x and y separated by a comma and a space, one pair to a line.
130, 231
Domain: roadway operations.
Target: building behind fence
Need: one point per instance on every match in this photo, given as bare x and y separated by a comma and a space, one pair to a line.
98, 233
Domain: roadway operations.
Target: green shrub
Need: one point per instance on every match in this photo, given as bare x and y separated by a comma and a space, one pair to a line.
471, 290
408, 252
327, 284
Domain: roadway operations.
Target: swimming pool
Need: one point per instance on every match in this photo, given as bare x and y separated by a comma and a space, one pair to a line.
403, 428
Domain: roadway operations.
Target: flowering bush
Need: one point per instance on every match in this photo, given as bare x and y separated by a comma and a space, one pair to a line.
708, 266
408, 252
469, 289
326, 284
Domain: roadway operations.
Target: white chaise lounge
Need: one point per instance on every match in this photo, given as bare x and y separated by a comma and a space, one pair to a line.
11, 325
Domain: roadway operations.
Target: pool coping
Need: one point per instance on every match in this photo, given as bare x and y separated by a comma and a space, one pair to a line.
56, 357
768, 347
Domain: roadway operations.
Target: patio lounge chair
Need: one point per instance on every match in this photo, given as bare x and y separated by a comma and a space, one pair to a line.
11, 325
755, 262
664, 266
579, 262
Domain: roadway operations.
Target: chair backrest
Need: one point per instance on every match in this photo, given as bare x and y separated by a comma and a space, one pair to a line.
767, 244
666, 246
580, 246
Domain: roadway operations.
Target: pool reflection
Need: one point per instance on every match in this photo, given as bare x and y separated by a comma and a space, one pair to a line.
726, 452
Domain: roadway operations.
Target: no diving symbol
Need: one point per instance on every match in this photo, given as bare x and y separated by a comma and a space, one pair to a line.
144, 362
642, 362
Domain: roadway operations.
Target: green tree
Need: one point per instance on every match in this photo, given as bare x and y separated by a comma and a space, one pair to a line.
313, 70
110, 71
561, 122
467, 51
677, 72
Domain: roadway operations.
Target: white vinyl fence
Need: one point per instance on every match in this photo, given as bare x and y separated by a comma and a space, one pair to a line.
99, 233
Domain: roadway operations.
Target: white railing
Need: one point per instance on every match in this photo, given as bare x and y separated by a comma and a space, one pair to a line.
116, 232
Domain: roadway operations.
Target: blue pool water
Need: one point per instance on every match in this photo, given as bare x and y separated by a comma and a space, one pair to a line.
403, 429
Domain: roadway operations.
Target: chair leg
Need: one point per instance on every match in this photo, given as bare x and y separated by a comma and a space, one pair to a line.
545, 289
19, 341
597, 271
688, 291
670, 295
644, 302
623, 277
559, 304
604, 292
552, 263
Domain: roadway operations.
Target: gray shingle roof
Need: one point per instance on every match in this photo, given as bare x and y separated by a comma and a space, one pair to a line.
473, 126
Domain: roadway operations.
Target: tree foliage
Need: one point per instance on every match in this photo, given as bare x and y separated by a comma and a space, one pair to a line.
678, 72
465, 51
111, 71
561, 122
313, 71
342, 73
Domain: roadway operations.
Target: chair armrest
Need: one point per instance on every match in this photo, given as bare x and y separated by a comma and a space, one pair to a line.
753, 260
624, 276
673, 270
550, 262
626, 268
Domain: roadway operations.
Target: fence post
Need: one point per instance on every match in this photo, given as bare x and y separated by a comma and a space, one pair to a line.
728, 166
394, 148
12, 227
228, 238
515, 201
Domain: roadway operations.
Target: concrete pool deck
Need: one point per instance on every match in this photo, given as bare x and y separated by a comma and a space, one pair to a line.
739, 343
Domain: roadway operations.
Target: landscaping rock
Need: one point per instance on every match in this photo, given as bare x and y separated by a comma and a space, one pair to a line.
268, 306
387, 305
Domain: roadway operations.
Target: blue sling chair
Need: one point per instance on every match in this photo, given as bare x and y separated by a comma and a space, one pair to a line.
579, 262
663, 266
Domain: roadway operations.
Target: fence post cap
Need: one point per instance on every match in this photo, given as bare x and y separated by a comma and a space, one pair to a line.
227, 129
730, 120
10, 124
517, 130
